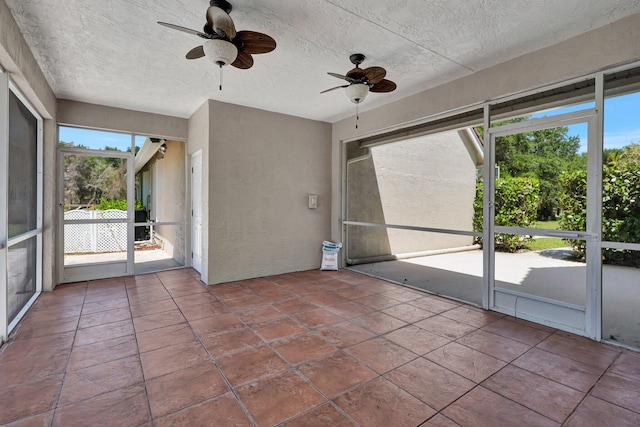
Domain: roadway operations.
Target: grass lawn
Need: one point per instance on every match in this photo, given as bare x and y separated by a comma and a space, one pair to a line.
546, 243
549, 225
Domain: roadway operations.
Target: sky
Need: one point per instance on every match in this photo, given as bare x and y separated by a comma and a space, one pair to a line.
621, 127
98, 140
621, 121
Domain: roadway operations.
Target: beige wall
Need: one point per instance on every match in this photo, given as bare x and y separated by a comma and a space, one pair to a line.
605, 47
262, 166
428, 181
17, 60
169, 204
81, 114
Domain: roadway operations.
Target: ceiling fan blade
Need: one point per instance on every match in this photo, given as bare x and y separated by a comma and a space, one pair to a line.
374, 74
220, 20
195, 53
185, 30
243, 61
383, 85
254, 42
334, 88
340, 76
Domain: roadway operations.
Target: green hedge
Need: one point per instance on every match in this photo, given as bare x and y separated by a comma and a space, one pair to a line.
517, 202
620, 210
120, 204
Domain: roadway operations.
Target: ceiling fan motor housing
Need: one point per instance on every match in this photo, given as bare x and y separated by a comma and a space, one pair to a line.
222, 4
357, 59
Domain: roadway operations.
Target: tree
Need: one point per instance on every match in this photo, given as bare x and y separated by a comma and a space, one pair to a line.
543, 155
88, 179
620, 207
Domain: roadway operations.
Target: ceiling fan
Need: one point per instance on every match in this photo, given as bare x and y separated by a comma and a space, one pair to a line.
362, 81
223, 44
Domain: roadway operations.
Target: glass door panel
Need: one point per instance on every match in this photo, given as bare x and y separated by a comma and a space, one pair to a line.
621, 221
539, 231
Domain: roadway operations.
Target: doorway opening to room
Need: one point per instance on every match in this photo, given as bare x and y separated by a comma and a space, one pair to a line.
123, 204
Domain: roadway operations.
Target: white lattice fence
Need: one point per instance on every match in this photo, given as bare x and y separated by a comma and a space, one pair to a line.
95, 238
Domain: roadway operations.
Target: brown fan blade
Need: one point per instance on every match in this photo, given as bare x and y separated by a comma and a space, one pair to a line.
243, 61
218, 19
334, 88
185, 30
383, 85
195, 53
340, 76
374, 74
254, 42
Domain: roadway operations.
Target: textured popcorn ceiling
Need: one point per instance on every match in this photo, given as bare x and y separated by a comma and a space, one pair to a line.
113, 52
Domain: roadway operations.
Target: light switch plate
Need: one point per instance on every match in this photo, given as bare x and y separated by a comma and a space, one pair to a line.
313, 201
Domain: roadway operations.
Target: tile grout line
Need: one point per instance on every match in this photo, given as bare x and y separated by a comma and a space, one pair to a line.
295, 368
588, 393
73, 343
135, 336
314, 331
213, 361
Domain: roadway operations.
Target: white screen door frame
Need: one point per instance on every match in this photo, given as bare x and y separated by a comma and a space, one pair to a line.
583, 320
97, 270
6, 242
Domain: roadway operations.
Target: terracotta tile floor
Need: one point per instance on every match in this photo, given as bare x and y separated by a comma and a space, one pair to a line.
302, 349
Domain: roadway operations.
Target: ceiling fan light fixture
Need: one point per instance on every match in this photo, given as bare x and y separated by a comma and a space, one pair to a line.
357, 92
220, 52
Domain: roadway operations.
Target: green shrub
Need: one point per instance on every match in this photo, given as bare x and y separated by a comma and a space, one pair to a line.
120, 204
517, 202
573, 207
620, 210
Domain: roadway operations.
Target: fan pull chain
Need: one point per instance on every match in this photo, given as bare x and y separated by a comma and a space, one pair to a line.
220, 75
357, 116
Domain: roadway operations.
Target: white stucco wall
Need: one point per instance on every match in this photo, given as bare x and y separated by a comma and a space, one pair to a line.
171, 203
262, 167
428, 181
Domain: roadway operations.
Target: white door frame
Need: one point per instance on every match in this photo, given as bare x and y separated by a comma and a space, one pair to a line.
4, 191
196, 211
558, 314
